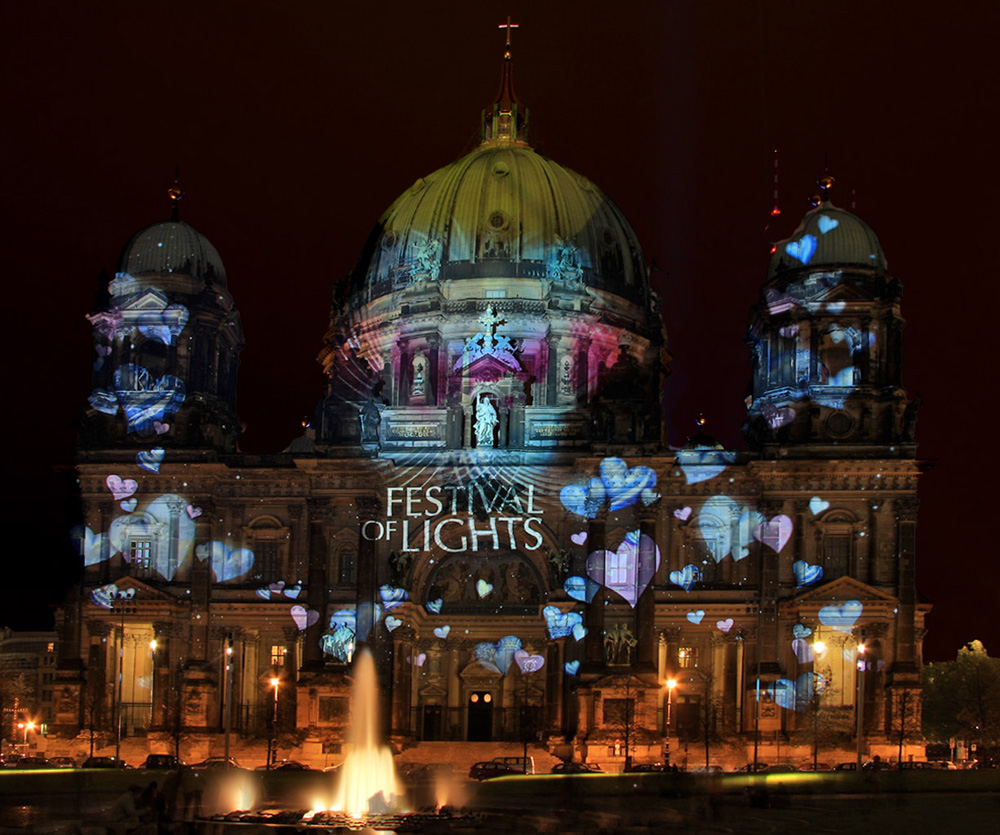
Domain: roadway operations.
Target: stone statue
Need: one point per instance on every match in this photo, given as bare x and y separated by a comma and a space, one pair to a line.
418, 379
486, 421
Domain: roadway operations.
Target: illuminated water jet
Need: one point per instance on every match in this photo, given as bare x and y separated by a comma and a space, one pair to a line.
367, 783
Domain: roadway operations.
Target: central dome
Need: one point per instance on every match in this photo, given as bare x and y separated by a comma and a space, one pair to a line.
503, 211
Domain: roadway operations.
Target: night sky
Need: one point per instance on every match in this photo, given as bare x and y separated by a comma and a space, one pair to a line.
296, 124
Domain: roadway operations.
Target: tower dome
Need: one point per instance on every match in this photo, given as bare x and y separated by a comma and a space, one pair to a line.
172, 246
828, 237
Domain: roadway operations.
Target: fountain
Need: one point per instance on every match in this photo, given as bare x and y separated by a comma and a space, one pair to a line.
367, 784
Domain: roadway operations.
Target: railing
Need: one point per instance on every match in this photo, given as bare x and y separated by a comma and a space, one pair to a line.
439, 723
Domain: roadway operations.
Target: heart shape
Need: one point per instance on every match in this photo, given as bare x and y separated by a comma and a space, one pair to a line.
796, 695
442, 631
724, 625
649, 496
702, 464
121, 488
103, 401
163, 325
192, 511
579, 632
227, 563
803, 249
686, 578
434, 606
584, 501
803, 651
628, 570
392, 622
800, 630
580, 588
559, 623
148, 525
842, 617
696, 617
683, 514
527, 662
129, 504
624, 486
104, 596
160, 428
483, 588
504, 651
151, 459
303, 617
817, 505
146, 399
339, 643
277, 586
805, 574
775, 533
264, 593
102, 350
420, 659
579, 538
94, 548
827, 224
776, 416
296, 590
392, 596
571, 667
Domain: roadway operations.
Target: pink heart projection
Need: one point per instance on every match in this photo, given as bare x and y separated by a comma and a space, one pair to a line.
121, 488
276, 588
303, 617
803, 651
192, 511
628, 570
775, 533
579, 538
789, 331
420, 659
683, 514
724, 625
160, 428
527, 662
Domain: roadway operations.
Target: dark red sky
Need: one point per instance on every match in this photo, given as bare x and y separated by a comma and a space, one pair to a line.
296, 124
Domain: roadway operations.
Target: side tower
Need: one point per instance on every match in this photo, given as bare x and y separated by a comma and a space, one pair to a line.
831, 420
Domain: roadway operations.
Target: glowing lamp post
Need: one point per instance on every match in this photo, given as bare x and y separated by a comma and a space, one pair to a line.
670, 684
862, 666
818, 648
272, 743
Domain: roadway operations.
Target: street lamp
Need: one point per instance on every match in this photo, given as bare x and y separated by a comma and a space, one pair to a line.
818, 649
862, 666
670, 684
272, 743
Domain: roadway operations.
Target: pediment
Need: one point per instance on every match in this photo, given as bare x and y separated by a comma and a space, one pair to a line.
150, 299
488, 367
143, 591
839, 590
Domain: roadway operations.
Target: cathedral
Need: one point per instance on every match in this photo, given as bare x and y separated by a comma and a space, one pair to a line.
485, 501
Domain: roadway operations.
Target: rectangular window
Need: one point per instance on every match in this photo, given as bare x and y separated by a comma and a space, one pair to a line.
140, 556
618, 711
334, 709
266, 556
836, 556
687, 657
347, 569
496, 294
51, 647
278, 654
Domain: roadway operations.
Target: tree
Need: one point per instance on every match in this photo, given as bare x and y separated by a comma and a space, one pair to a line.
961, 698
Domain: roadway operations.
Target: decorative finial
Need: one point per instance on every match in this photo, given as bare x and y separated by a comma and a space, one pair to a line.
700, 420
175, 194
826, 183
508, 26
507, 119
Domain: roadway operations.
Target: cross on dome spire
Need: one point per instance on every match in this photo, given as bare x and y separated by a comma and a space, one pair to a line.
176, 194
507, 119
508, 26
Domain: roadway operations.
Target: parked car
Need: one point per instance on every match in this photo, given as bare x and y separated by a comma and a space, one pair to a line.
851, 766
942, 765
783, 768
522, 765
646, 768
810, 766
575, 768
702, 769
63, 762
489, 770
217, 762
104, 762
284, 765
32, 762
162, 761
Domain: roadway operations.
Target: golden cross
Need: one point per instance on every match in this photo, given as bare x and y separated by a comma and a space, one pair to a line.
508, 26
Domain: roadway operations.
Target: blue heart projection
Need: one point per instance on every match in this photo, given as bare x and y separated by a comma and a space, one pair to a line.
152, 524
571, 667
151, 459
392, 596
145, 398
703, 463
696, 617
164, 325
806, 574
580, 588
94, 548
434, 606
499, 656
800, 630
842, 617
827, 224
803, 249
687, 577
559, 623
796, 695
227, 563
731, 527
618, 485
628, 570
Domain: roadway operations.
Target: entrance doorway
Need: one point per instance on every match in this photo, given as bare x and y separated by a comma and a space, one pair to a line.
432, 723
480, 716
